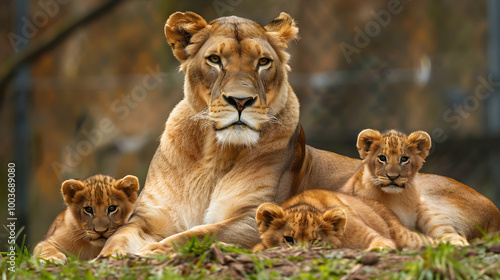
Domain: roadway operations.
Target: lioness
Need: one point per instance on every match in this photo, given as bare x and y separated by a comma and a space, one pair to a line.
234, 142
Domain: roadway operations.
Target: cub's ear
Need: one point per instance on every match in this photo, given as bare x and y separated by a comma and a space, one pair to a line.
179, 29
366, 138
129, 185
69, 189
420, 143
283, 27
337, 218
266, 214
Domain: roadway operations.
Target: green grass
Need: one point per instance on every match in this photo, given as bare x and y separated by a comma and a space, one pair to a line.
446, 261
197, 260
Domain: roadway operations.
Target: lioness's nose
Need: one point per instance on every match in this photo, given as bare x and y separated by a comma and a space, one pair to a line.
239, 103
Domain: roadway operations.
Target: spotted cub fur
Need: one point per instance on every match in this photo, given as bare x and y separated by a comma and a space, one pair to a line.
96, 207
333, 218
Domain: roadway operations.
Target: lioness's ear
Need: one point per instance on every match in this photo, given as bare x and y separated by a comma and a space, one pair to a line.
69, 189
266, 214
365, 140
129, 185
283, 27
420, 143
337, 218
179, 29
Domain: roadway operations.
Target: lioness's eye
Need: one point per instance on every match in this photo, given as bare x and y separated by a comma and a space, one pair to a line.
404, 159
382, 158
264, 61
112, 208
88, 210
214, 59
289, 240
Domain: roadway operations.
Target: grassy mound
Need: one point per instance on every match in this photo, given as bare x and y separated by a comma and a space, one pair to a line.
208, 260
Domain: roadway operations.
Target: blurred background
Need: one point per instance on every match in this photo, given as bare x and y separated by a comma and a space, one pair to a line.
86, 86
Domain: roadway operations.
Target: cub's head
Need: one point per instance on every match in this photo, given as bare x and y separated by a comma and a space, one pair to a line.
393, 159
235, 71
100, 204
299, 224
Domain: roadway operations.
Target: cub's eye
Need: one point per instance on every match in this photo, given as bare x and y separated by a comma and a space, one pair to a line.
264, 61
289, 240
214, 58
88, 210
404, 159
382, 158
112, 208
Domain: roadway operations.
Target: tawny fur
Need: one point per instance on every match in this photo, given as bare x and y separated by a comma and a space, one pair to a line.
82, 231
339, 220
390, 176
233, 142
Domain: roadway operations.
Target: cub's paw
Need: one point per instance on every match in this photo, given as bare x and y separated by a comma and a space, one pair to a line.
119, 253
381, 243
156, 249
259, 247
116, 254
58, 258
454, 239
459, 242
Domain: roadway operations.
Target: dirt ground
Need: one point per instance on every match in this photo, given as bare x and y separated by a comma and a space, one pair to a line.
292, 261
279, 262
288, 261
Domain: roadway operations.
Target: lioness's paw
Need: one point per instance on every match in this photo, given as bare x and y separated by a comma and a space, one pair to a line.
155, 249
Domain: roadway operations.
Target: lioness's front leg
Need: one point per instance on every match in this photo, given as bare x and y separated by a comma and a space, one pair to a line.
238, 230
230, 218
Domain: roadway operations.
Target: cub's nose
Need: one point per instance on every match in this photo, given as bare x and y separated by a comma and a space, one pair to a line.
100, 232
393, 177
239, 103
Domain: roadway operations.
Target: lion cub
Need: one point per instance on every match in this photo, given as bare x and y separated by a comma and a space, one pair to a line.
390, 163
96, 207
337, 219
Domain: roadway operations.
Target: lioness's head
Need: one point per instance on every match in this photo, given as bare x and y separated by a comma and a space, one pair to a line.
100, 204
299, 224
392, 158
236, 71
